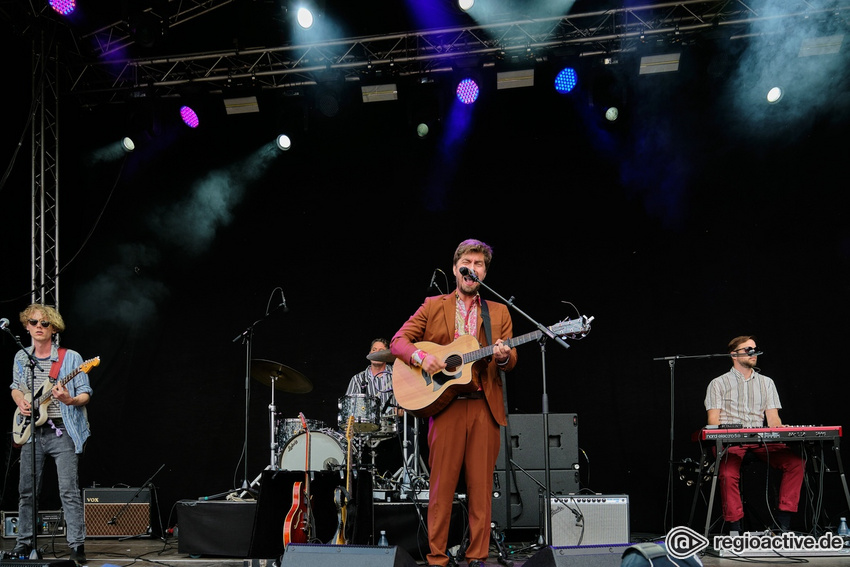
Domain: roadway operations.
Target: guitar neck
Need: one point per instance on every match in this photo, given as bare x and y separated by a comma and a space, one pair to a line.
484, 352
46, 396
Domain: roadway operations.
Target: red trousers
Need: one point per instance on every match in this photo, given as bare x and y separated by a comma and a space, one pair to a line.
463, 436
779, 456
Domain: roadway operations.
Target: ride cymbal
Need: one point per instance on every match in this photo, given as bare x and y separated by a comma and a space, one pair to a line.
279, 376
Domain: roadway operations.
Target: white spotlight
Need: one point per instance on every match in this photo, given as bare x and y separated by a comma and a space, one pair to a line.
774, 94
283, 142
465, 5
305, 18
612, 114
128, 145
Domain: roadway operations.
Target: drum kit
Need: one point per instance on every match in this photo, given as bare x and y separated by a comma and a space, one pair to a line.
328, 446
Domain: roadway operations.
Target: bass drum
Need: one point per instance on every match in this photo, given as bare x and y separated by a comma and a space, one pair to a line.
326, 451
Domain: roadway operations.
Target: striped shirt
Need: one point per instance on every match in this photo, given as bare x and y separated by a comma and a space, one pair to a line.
742, 400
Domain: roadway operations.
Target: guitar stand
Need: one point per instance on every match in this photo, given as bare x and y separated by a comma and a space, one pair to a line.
412, 461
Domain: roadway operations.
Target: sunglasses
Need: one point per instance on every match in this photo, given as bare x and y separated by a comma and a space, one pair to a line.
35, 322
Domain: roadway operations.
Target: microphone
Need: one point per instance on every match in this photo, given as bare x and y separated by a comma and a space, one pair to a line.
753, 352
430, 286
464, 271
4, 323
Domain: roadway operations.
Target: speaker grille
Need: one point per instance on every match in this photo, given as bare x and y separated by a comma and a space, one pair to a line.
134, 520
590, 520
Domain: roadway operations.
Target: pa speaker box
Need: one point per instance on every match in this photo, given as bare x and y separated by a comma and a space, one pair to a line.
309, 555
526, 500
578, 556
592, 519
527, 443
117, 512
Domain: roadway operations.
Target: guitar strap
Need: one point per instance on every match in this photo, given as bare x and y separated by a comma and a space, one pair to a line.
56, 366
509, 472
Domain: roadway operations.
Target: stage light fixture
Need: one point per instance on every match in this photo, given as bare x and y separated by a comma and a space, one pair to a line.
63, 7
304, 17
189, 116
467, 91
612, 113
284, 142
128, 144
465, 5
774, 95
566, 80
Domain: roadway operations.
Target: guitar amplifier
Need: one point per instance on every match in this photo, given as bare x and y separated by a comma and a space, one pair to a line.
117, 512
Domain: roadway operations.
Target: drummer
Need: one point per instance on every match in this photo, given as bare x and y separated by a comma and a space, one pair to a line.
376, 380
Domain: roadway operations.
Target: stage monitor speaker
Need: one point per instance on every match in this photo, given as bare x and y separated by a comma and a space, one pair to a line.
117, 512
527, 441
590, 519
578, 556
310, 555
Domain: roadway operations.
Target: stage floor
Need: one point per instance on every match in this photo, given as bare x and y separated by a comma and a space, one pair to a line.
110, 551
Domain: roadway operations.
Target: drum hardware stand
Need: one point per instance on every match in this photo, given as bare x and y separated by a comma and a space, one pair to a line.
413, 461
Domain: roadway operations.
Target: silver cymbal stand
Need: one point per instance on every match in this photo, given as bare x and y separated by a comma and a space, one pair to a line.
411, 472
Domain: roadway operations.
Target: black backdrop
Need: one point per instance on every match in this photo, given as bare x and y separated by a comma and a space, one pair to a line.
698, 221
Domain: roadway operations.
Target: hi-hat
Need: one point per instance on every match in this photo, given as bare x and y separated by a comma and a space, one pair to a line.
381, 356
279, 376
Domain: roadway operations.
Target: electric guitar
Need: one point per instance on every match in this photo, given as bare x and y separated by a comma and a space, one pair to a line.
343, 495
423, 394
22, 424
297, 525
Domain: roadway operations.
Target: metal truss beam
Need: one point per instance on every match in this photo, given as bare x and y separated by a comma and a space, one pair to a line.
45, 175
605, 32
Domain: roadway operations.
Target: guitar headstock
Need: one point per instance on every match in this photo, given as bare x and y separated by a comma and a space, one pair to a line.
89, 364
349, 428
572, 328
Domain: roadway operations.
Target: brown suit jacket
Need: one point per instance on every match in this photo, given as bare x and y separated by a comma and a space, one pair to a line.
434, 322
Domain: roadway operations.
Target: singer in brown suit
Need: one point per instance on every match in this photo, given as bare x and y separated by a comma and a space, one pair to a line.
465, 433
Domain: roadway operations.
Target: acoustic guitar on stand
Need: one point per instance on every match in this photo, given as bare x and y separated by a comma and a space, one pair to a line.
22, 424
423, 394
298, 524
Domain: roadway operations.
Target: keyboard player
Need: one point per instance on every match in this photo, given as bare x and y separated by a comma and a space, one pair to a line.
745, 396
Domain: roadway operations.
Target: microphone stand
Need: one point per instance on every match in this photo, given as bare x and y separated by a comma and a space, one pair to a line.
546, 334
34, 554
247, 337
671, 360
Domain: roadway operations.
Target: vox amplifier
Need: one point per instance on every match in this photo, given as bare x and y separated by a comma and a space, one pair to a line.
117, 512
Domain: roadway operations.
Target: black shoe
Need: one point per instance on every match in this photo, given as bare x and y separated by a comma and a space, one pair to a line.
783, 518
78, 555
735, 527
21, 550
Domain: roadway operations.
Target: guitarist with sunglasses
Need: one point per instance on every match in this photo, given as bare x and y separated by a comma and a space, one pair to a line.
61, 435
463, 430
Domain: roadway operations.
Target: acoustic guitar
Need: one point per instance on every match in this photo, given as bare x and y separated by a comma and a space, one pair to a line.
423, 394
298, 522
22, 424
342, 496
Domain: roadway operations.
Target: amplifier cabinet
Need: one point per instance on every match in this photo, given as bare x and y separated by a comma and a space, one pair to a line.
49, 524
590, 519
117, 512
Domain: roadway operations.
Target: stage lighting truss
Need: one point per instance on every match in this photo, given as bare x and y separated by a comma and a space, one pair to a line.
600, 33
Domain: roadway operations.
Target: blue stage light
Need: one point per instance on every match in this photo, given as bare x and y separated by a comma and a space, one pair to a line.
189, 116
566, 80
467, 91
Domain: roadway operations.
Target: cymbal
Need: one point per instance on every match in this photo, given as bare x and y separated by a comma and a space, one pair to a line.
381, 356
279, 376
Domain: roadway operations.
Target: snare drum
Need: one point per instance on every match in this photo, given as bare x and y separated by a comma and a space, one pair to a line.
290, 427
388, 427
326, 451
364, 409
